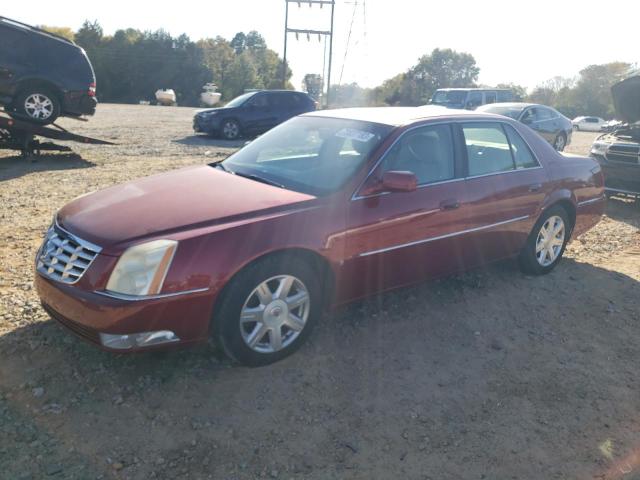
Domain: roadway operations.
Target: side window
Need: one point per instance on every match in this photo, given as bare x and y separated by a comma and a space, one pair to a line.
505, 96
13, 45
544, 113
521, 153
259, 101
475, 99
488, 149
427, 152
489, 97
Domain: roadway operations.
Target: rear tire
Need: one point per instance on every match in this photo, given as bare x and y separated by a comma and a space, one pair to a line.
268, 310
546, 242
37, 105
560, 142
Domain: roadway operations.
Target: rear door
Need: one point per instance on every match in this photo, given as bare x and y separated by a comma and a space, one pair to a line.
14, 53
397, 238
490, 97
505, 185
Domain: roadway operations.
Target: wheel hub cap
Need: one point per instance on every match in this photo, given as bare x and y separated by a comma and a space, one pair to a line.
38, 106
550, 240
274, 314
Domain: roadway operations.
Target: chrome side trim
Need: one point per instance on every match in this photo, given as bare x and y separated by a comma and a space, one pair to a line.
441, 237
592, 200
628, 192
138, 298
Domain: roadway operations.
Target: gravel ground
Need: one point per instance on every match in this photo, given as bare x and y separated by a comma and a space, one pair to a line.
490, 375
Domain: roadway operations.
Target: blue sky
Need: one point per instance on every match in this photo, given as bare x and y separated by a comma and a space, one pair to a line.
519, 41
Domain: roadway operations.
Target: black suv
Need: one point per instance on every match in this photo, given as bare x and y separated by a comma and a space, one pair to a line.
42, 75
252, 113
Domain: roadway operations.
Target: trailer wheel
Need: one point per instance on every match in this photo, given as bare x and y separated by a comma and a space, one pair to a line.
38, 105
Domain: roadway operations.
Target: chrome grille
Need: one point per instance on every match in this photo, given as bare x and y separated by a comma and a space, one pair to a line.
624, 153
64, 257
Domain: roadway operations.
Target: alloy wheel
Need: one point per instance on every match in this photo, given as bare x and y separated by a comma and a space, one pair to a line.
274, 314
230, 130
560, 143
550, 240
38, 106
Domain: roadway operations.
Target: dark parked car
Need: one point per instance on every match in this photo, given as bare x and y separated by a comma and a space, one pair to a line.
548, 122
324, 209
252, 113
470, 98
43, 76
619, 151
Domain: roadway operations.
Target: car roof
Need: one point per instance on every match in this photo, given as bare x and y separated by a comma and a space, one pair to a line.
466, 89
398, 116
36, 30
512, 105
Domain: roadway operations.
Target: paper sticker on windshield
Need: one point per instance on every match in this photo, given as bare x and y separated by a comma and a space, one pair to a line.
353, 134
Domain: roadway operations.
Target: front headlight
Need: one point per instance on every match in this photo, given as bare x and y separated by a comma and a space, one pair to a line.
141, 269
599, 148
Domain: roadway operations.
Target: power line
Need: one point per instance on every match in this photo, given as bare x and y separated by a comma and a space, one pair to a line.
346, 50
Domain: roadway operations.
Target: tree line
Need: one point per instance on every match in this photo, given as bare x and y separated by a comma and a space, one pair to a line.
131, 65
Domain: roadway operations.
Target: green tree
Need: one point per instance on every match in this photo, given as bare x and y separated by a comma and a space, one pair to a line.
65, 32
239, 43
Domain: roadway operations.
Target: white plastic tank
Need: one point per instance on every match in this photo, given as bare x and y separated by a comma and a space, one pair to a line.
166, 96
209, 96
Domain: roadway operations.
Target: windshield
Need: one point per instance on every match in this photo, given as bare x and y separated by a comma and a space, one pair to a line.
313, 155
238, 101
513, 112
444, 97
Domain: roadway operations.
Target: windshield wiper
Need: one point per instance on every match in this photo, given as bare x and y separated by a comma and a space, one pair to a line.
259, 179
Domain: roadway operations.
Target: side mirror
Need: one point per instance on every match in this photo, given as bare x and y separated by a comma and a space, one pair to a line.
527, 120
392, 181
399, 181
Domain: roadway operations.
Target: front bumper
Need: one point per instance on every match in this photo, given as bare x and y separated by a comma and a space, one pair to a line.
620, 177
88, 314
206, 124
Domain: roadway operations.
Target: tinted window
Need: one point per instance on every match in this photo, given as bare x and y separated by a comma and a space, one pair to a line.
488, 149
426, 151
475, 98
259, 101
521, 153
13, 44
591, 120
544, 114
505, 96
490, 97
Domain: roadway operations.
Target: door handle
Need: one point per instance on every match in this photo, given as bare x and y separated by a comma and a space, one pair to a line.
449, 204
535, 187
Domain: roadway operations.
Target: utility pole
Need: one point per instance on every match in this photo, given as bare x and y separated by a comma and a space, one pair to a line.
298, 31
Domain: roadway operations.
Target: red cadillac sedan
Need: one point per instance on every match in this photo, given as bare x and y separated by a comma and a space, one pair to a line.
324, 209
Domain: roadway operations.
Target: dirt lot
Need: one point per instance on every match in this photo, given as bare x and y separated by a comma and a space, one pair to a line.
488, 375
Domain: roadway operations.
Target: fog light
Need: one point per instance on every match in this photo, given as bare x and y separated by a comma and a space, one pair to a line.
137, 340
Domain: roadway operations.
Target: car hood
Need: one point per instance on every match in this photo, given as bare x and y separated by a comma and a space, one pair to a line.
626, 99
217, 109
170, 203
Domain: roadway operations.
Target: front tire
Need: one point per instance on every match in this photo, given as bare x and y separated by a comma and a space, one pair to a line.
268, 311
38, 105
231, 129
546, 242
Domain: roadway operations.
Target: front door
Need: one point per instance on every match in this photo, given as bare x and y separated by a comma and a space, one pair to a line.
259, 114
13, 58
398, 238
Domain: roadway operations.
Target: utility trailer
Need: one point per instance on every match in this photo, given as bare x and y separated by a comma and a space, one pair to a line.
16, 134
